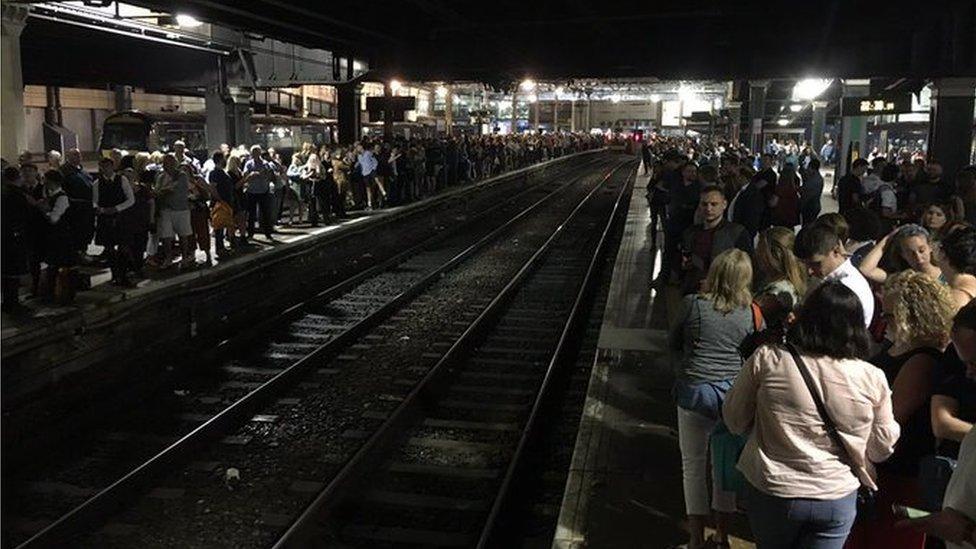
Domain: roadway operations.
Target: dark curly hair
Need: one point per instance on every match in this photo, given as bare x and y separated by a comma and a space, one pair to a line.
959, 248
831, 323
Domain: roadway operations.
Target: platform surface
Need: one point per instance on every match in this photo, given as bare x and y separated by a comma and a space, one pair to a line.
624, 487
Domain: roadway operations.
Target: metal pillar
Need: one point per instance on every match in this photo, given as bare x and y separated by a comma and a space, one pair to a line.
589, 111
449, 110
123, 97
735, 121
555, 116
535, 116
52, 112
388, 111
757, 111
819, 125
514, 110
572, 115
348, 97
228, 116
13, 118
854, 129
951, 124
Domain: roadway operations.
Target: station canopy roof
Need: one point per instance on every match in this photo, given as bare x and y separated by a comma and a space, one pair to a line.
505, 40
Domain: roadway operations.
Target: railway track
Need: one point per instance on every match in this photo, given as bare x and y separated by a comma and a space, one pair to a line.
440, 468
296, 361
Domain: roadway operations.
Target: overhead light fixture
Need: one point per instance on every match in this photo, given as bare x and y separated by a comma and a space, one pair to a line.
441, 91
782, 122
395, 85
533, 98
187, 21
559, 90
655, 98
615, 98
687, 95
809, 89
527, 85
796, 107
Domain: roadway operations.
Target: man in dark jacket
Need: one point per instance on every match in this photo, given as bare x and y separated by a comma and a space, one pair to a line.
749, 206
714, 235
849, 188
81, 214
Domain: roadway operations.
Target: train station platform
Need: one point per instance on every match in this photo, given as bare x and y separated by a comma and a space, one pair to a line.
624, 485
178, 315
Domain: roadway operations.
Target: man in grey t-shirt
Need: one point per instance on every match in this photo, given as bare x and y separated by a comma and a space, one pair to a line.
173, 219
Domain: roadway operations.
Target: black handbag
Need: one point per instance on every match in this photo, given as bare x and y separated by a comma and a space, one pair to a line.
867, 506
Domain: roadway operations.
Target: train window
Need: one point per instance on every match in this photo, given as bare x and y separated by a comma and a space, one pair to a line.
124, 136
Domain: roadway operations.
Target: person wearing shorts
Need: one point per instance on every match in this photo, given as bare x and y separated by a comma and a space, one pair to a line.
172, 189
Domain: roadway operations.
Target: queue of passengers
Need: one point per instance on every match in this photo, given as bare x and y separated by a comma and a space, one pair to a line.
155, 210
825, 364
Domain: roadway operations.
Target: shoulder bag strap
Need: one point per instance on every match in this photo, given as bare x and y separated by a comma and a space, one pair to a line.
821, 408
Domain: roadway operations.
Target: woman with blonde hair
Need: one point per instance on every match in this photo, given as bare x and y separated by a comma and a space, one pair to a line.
918, 310
783, 280
706, 337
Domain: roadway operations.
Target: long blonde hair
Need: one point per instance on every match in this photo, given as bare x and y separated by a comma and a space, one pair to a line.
775, 259
729, 281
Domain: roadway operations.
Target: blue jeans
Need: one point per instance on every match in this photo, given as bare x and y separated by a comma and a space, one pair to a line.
798, 523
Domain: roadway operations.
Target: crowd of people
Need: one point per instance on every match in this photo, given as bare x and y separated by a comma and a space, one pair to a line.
155, 210
825, 364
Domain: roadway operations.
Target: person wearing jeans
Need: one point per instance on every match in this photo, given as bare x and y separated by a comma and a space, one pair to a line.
803, 486
710, 328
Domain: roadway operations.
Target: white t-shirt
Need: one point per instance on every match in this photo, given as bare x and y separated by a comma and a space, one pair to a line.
961, 491
849, 276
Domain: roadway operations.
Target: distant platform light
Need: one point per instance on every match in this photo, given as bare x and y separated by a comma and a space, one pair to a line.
441, 91
809, 89
527, 85
187, 21
615, 98
655, 98
782, 122
559, 90
395, 85
796, 107
533, 98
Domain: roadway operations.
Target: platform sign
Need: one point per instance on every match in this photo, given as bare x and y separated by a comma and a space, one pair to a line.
880, 104
399, 104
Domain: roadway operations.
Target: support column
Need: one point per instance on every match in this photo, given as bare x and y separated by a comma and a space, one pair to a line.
13, 118
52, 112
854, 129
589, 111
123, 97
951, 124
514, 110
348, 99
535, 115
555, 116
228, 116
572, 115
819, 125
449, 110
387, 111
757, 111
735, 121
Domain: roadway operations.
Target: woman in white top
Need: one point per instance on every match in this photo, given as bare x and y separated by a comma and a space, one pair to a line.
803, 487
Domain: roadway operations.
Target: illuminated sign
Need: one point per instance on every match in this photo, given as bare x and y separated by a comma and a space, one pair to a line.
885, 104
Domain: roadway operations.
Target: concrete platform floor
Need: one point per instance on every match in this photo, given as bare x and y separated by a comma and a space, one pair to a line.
624, 488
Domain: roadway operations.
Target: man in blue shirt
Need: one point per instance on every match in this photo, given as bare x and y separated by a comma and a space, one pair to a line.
258, 186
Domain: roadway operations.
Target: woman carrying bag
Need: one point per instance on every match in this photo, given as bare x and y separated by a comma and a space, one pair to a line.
817, 417
710, 328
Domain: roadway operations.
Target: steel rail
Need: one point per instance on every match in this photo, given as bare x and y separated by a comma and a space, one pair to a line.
564, 350
372, 451
110, 499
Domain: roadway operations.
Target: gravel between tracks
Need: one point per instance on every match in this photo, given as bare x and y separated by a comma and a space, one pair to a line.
198, 510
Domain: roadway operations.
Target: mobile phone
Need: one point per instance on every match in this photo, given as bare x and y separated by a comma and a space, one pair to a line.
902, 511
